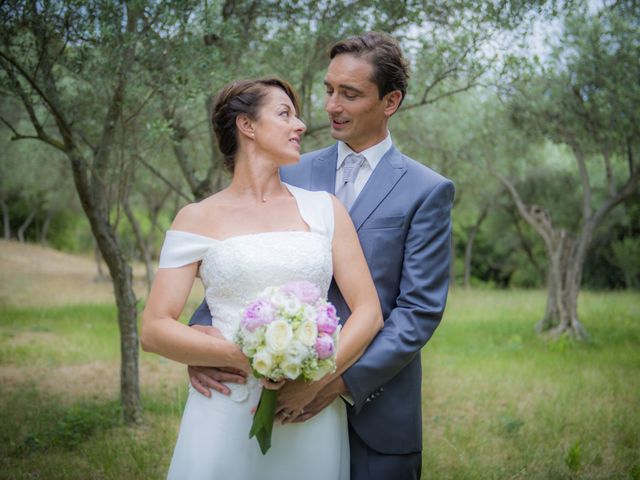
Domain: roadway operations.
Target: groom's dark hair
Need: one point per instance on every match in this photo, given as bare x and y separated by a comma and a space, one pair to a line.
390, 69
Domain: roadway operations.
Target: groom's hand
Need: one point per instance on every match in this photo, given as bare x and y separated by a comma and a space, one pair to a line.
205, 378
322, 400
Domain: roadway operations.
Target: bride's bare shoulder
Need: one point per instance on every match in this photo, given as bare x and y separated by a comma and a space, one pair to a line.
195, 217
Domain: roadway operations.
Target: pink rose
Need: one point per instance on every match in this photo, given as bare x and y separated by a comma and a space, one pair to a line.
258, 313
324, 346
327, 318
306, 292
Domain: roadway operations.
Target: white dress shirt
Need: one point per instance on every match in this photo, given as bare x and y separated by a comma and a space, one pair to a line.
372, 155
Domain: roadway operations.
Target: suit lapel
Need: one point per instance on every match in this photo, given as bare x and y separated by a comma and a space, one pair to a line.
323, 170
390, 169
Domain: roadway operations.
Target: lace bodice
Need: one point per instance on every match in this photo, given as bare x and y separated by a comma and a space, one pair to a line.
235, 270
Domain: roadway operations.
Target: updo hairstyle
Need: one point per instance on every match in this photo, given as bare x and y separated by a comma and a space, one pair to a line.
242, 97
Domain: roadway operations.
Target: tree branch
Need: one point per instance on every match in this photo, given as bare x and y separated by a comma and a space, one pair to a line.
45, 98
115, 105
586, 184
142, 105
28, 105
532, 215
155, 172
611, 185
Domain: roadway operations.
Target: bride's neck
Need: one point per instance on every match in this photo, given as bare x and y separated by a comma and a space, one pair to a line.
256, 178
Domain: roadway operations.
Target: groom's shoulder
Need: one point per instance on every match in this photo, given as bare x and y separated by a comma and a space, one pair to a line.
421, 173
325, 152
303, 167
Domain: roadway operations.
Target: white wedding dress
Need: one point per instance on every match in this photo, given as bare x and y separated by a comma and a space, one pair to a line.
213, 442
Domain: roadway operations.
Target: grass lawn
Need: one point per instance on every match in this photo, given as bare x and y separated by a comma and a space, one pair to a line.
499, 401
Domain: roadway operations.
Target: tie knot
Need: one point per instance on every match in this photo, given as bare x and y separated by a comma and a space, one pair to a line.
352, 164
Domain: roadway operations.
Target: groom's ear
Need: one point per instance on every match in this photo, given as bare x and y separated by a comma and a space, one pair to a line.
245, 126
391, 102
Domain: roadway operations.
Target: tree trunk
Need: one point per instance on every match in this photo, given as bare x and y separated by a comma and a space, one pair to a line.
101, 276
468, 251
25, 225
6, 220
90, 176
45, 228
564, 275
143, 248
94, 201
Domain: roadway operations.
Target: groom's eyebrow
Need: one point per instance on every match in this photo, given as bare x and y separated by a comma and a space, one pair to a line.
345, 86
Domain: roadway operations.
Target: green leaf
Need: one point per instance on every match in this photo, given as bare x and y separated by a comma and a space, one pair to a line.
263, 419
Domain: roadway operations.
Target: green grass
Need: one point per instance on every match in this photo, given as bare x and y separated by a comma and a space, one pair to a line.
500, 402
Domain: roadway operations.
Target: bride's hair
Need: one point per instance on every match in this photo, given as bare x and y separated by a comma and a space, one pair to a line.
242, 97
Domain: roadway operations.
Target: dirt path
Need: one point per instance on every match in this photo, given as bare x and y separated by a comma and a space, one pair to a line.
31, 275
35, 275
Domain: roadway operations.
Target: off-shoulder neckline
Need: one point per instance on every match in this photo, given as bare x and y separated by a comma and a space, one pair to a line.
293, 190
243, 235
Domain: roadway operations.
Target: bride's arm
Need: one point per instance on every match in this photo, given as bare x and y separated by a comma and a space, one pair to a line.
354, 280
163, 334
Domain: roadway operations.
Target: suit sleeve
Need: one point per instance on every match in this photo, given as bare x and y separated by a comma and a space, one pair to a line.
420, 304
202, 316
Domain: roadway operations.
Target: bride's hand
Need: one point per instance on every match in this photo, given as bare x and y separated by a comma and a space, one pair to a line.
239, 360
293, 397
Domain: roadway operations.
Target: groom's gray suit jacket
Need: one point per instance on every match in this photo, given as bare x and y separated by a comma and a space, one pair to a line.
403, 220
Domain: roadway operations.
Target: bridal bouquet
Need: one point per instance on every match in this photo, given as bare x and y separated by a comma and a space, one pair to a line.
287, 332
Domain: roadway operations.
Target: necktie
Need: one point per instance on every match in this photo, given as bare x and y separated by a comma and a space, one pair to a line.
346, 192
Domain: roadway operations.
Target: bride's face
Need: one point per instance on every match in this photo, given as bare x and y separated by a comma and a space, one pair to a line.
278, 130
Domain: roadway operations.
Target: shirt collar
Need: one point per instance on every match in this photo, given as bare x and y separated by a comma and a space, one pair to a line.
373, 154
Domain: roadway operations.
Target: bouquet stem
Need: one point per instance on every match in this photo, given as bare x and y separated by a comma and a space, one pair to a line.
263, 419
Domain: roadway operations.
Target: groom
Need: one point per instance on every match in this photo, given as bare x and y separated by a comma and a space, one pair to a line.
401, 210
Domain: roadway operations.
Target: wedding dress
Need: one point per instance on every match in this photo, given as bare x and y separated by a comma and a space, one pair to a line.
213, 442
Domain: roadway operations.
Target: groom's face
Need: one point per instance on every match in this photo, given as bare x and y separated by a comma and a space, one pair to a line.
356, 111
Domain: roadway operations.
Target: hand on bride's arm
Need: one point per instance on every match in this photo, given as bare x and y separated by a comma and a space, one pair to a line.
203, 379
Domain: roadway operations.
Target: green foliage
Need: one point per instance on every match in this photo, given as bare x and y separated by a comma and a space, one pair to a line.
572, 458
626, 253
187, 50
51, 424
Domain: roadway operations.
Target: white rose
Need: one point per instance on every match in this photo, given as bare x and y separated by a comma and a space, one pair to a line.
292, 305
307, 333
290, 370
262, 362
297, 352
278, 298
310, 313
255, 338
278, 336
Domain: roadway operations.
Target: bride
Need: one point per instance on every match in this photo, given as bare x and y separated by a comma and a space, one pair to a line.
256, 233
